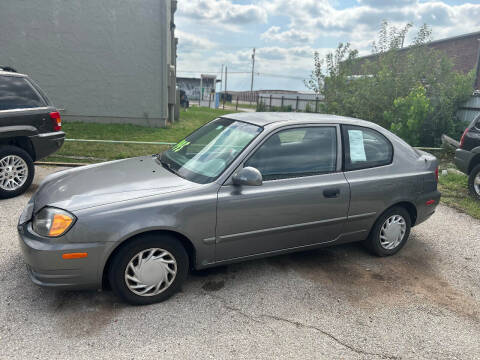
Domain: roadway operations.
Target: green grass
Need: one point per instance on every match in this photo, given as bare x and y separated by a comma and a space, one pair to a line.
454, 188
240, 105
97, 152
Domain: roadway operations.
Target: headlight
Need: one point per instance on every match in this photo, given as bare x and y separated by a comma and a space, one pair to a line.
52, 222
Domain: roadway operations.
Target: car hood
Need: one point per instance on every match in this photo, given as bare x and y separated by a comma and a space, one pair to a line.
106, 183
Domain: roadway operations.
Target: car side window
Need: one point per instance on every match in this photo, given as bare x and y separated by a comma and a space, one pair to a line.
365, 148
16, 93
297, 152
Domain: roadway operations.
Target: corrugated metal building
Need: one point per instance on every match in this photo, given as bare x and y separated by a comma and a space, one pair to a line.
100, 61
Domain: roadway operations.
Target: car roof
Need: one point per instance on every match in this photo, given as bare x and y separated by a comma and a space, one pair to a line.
10, 73
266, 118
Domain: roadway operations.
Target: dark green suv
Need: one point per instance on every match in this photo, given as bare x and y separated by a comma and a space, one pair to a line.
30, 129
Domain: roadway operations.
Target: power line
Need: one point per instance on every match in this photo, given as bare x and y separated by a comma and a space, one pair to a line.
244, 73
211, 72
282, 76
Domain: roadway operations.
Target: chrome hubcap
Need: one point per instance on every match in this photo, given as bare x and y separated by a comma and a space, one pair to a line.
150, 272
13, 172
476, 184
392, 232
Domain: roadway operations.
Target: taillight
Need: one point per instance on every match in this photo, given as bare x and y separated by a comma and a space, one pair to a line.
462, 140
57, 120
436, 173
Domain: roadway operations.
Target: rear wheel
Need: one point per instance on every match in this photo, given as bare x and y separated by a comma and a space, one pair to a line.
390, 232
16, 171
474, 182
149, 269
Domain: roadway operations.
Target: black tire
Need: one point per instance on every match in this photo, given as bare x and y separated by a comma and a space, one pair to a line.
471, 182
13, 150
373, 243
116, 273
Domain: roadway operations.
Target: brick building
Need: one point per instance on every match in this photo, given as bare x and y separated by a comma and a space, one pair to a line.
463, 50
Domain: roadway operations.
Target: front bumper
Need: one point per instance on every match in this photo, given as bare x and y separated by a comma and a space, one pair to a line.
46, 266
47, 144
462, 160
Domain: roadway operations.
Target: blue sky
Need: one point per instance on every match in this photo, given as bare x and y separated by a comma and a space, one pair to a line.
287, 32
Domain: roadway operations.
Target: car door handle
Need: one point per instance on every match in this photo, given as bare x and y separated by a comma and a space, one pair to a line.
331, 193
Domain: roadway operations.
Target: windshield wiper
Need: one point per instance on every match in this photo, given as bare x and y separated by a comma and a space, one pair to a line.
165, 164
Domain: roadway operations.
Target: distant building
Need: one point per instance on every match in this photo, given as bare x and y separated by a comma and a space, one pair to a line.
193, 87
463, 50
100, 61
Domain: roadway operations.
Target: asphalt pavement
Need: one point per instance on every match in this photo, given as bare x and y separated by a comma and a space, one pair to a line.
339, 302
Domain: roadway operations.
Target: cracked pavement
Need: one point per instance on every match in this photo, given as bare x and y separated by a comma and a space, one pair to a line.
336, 302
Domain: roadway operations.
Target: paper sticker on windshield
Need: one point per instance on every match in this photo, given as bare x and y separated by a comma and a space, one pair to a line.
180, 145
357, 148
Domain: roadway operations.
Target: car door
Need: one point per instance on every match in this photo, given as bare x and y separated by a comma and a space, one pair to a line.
375, 181
303, 200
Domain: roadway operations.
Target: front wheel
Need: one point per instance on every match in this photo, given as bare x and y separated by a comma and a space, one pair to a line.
474, 182
149, 269
390, 232
16, 171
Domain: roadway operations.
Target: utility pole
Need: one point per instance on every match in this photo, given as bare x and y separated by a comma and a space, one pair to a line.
226, 75
253, 69
225, 93
221, 79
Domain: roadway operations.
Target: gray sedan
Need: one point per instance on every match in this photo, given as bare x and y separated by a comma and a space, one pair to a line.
243, 186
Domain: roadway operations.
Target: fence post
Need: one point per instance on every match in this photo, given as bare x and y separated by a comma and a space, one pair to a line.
210, 101
270, 106
296, 105
236, 108
281, 106
316, 104
257, 99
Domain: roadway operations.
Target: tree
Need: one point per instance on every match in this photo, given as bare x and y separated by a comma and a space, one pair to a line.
408, 115
368, 89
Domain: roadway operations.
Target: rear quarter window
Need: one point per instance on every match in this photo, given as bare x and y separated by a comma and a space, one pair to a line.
365, 148
17, 93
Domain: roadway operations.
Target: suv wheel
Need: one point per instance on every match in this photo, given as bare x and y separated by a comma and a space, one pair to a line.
390, 232
149, 269
16, 171
474, 182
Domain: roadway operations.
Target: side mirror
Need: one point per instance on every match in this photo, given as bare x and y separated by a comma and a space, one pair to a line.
248, 176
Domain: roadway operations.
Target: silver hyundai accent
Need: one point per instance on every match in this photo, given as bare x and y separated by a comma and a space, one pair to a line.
243, 186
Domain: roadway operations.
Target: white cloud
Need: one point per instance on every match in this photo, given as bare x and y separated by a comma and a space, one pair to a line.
291, 36
222, 11
191, 42
308, 25
384, 3
362, 22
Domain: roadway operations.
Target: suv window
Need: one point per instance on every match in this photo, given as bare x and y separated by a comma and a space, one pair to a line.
16, 93
365, 148
297, 152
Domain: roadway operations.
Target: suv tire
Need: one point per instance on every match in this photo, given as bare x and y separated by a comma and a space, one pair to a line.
474, 186
12, 159
390, 232
144, 262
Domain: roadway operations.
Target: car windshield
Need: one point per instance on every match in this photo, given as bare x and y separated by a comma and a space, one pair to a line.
205, 154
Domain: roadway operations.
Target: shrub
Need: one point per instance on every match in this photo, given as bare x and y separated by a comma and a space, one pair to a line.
385, 90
